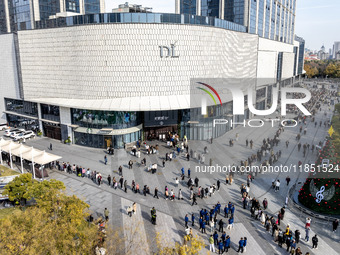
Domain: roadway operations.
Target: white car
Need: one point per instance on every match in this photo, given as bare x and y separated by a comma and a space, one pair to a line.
4, 127
8, 132
15, 134
24, 135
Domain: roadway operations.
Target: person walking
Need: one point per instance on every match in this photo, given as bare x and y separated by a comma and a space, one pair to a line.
218, 185
297, 236
189, 172
335, 225
106, 214
194, 200
186, 220
288, 180
315, 241
241, 245
105, 160
156, 193
180, 196
120, 170
192, 220
50, 146
109, 180
307, 234
211, 244
121, 181
125, 186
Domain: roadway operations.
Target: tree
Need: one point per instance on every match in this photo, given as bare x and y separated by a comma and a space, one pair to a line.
23, 187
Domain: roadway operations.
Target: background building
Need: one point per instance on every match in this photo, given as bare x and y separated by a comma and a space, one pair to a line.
22, 14
113, 78
336, 49
271, 19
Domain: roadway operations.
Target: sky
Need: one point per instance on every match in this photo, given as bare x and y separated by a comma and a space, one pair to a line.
317, 21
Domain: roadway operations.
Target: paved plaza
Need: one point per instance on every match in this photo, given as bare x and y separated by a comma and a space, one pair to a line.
170, 214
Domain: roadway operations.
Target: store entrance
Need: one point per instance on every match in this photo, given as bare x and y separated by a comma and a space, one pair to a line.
159, 133
52, 130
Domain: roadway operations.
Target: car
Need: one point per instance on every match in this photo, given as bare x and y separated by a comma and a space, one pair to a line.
9, 131
16, 133
24, 135
4, 127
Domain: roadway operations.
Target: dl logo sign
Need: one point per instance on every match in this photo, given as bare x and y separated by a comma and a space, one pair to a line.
168, 52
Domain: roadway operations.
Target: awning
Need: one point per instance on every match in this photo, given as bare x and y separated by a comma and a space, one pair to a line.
25, 152
21, 115
108, 131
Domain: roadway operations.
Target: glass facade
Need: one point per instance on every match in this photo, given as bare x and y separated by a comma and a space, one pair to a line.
92, 6
253, 13
3, 26
50, 112
105, 119
267, 23
272, 24
188, 7
20, 14
234, 11
21, 107
278, 15
72, 5
104, 141
210, 8
260, 18
301, 54
22, 122
279, 66
48, 8
139, 18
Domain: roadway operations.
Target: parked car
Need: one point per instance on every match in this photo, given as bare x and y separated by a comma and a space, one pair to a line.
24, 135
4, 127
8, 132
16, 133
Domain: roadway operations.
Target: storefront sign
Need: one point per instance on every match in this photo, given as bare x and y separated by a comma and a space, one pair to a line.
168, 52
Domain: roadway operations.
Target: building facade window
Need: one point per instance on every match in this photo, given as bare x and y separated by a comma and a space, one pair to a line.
260, 18
210, 8
50, 112
21, 107
253, 13
279, 66
49, 7
267, 24
105, 119
92, 6
234, 11
188, 7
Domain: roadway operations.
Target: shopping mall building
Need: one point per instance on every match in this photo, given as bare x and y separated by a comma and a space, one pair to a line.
119, 77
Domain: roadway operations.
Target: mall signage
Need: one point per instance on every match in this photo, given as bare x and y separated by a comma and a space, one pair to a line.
168, 52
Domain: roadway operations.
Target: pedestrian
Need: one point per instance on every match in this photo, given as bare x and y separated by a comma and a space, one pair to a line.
315, 241
308, 221
156, 193
227, 244
277, 185
218, 184
297, 236
129, 211
251, 144
196, 181
335, 225
215, 235
211, 244
194, 200
121, 181
192, 219
180, 196
153, 215
186, 220
220, 224
120, 170
105, 160
177, 181
265, 203
134, 208
287, 143
109, 180
240, 245
245, 244
50, 146
130, 164
307, 234
231, 223
106, 214
226, 211
288, 180
163, 163
125, 186
189, 172
220, 247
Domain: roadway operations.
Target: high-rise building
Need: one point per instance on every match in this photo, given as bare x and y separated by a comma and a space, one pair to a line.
16, 15
271, 19
336, 49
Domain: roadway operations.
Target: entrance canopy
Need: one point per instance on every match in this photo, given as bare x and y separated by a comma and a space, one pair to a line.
26, 152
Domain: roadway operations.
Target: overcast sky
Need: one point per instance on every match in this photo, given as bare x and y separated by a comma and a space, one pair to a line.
318, 22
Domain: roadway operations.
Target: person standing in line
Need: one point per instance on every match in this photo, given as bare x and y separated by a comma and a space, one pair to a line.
241, 245
156, 193
109, 180
105, 160
106, 214
315, 241
211, 244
